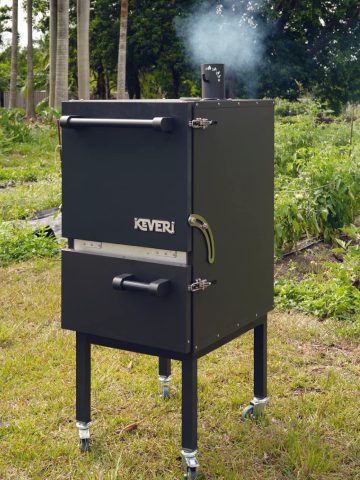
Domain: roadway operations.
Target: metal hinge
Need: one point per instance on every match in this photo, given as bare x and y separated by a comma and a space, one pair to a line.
201, 123
200, 284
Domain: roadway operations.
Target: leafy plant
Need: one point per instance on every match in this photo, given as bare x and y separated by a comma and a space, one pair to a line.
322, 296
13, 128
332, 293
19, 242
323, 197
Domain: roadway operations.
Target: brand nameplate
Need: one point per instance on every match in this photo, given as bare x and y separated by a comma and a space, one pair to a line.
153, 225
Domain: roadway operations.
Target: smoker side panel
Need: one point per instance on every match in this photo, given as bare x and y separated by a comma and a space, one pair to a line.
112, 175
91, 305
233, 190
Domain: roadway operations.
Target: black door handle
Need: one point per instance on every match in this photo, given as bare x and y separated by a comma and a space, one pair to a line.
126, 281
164, 124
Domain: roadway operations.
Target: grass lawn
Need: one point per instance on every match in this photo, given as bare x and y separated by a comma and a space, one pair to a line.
311, 430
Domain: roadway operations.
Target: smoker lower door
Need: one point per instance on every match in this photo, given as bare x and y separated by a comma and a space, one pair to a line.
91, 304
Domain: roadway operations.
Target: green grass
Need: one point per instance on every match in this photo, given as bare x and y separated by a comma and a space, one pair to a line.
311, 430
28, 152
29, 166
24, 200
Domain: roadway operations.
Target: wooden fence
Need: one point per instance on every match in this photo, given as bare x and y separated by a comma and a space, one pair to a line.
39, 95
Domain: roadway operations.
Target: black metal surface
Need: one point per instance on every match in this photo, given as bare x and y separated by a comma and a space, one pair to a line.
83, 378
135, 347
233, 190
189, 403
212, 81
127, 281
260, 360
164, 367
112, 175
91, 305
165, 124
209, 347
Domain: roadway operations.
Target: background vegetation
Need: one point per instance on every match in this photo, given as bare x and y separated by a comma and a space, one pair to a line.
311, 64
310, 47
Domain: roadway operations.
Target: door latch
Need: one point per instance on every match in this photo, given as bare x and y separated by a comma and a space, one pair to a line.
197, 221
200, 284
201, 123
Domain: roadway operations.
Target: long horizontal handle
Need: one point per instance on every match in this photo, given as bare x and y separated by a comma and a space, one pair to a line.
126, 281
164, 124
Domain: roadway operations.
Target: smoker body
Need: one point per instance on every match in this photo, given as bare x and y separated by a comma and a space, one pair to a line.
168, 208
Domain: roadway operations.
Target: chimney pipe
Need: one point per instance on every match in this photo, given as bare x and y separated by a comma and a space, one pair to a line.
212, 81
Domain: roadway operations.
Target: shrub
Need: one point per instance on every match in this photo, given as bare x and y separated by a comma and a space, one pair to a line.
13, 128
323, 296
19, 242
323, 197
333, 293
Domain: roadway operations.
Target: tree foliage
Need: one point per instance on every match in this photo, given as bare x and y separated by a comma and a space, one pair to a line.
311, 46
4, 21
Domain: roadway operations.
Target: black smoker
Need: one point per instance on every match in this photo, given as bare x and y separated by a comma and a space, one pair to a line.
168, 208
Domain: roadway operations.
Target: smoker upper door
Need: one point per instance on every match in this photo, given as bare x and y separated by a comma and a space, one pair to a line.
113, 175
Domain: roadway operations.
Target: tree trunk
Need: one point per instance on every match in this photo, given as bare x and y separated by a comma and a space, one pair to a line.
176, 83
134, 89
100, 82
14, 54
30, 104
53, 38
121, 73
107, 82
62, 53
83, 18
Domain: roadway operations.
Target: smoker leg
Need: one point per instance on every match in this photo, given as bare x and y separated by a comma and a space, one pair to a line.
83, 362
165, 376
257, 404
189, 417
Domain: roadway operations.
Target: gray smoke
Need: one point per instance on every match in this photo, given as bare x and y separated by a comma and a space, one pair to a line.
228, 32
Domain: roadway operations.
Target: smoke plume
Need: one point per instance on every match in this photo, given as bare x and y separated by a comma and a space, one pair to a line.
230, 32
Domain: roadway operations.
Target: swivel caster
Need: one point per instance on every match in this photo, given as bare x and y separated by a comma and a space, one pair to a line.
84, 435
191, 474
248, 412
164, 387
85, 445
190, 464
255, 409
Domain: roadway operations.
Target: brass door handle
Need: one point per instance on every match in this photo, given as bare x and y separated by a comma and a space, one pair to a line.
197, 221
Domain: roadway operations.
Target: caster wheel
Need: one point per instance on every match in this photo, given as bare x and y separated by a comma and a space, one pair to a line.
85, 445
165, 393
191, 474
248, 412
